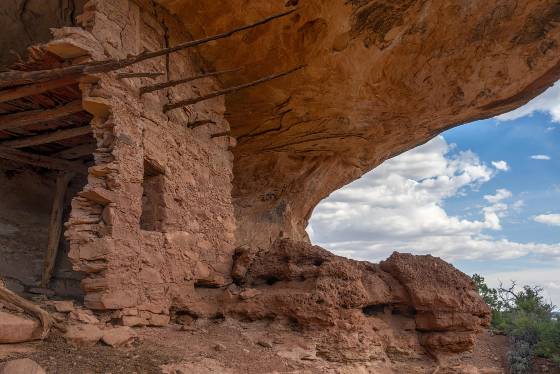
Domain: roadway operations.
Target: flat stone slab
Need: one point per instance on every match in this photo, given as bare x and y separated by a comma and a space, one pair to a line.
16, 329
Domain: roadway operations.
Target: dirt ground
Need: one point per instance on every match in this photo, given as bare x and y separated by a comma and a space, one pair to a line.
230, 347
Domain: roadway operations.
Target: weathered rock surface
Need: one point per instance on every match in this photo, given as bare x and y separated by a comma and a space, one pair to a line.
21, 366
381, 77
83, 335
118, 336
401, 305
17, 329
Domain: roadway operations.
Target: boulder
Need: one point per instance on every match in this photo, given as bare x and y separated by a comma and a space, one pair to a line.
83, 335
21, 366
17, 329
118, 336
64, 306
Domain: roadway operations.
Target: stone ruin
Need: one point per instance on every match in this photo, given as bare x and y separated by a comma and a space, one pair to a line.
134, 183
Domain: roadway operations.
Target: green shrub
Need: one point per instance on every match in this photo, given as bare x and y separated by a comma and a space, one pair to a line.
527, 319
520, 356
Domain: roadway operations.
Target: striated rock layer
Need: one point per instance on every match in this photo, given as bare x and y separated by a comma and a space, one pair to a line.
382, 77
403, 305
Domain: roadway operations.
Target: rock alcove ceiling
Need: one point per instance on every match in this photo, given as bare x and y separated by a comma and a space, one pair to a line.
381, 77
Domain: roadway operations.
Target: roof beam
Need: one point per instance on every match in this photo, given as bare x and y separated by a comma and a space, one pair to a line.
182, 103
51, 137
35, 89
32, 117
76, 152
41, 161
16, 77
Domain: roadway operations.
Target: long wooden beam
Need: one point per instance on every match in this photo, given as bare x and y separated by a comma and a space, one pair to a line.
47, 138
55, 226
41, 161
182, 103
76, 152
35, 89
21, 119
176, 82
14, 78
140, 75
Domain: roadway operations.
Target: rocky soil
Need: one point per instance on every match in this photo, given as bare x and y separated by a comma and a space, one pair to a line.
291, 308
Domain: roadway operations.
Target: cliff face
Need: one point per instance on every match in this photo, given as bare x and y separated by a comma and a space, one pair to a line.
381, 77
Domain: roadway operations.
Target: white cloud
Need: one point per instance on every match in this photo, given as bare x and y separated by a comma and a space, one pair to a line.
540, 157
401, 206
501, 165
548, 102
548, 219
501, 194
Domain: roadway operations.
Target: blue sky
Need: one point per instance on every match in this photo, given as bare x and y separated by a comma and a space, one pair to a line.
484, 196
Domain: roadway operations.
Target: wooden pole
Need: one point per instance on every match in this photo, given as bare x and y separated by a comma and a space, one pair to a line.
46, 320
176, 82
182, 103
16, 77
139, 75
41, 161
35, 89
55, 226
32, 117
51, 137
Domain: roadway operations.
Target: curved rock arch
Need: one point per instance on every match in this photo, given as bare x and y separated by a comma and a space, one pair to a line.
382, 77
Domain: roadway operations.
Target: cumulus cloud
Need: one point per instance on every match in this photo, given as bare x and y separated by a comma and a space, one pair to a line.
548, 219
501, 194
501, 165
540, 157
401, 206
548, 102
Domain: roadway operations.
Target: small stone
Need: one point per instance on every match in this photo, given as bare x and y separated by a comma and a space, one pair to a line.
63, 306
83, 335
159, 320
21, 366
264, 343
16, 329
134, 321
248, 293
309, 357
220, 347
84, 316
118, 336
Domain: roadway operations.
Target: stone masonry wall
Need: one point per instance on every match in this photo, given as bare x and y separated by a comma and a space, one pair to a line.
154, 227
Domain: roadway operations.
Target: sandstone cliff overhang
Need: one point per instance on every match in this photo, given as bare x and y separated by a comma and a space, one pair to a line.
382, 76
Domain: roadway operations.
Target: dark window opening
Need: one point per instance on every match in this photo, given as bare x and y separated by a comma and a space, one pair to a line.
153, 208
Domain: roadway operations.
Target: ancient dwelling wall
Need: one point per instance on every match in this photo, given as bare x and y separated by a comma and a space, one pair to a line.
154, 227
26, 196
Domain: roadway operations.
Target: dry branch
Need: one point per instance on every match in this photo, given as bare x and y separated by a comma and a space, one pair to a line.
139, 75
46, 320
182, 103
14, 78
51, 137
33, 117
35, 89
176, 82
41, 161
